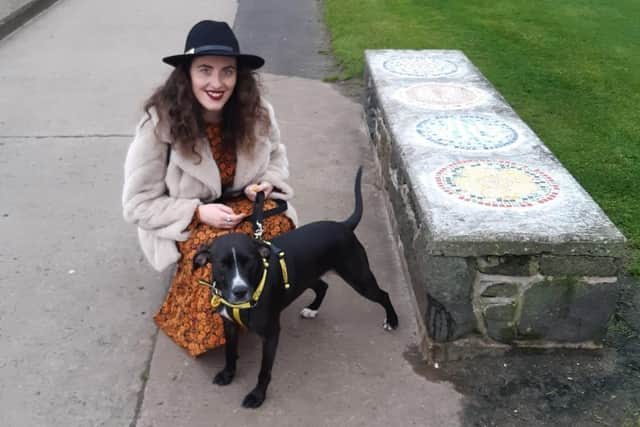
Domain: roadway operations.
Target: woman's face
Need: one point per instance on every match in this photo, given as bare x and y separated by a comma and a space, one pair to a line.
213, 79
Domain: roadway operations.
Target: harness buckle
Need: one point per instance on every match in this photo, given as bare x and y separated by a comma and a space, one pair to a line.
259, 230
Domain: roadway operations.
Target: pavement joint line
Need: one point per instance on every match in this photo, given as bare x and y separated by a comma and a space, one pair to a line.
145, 379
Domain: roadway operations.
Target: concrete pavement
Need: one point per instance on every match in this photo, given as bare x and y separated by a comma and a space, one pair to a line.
77, 343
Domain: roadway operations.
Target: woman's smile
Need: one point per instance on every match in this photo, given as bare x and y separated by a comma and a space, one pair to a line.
215, 95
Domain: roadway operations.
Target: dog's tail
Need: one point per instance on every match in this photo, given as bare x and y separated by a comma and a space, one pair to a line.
354, 219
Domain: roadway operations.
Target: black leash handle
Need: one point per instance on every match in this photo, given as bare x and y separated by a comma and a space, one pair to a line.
258, 215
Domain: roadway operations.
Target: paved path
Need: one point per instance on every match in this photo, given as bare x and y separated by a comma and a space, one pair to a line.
290, 34
77, 343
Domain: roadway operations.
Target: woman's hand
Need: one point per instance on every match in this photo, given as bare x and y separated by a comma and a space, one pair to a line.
251, 190
219, 216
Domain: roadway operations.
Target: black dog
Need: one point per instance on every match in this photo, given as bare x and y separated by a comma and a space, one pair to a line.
241, 278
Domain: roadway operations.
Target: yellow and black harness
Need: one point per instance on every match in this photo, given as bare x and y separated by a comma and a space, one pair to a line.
240, 312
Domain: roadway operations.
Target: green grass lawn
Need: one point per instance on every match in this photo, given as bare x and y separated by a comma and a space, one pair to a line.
570, 69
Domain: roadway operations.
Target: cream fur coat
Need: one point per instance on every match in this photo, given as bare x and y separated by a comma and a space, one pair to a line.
160, 198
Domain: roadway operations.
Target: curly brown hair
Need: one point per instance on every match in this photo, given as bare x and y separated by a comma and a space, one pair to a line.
243, 116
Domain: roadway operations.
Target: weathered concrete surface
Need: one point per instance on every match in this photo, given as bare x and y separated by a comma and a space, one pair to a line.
75, 332
571, 223
341, 368
75, 329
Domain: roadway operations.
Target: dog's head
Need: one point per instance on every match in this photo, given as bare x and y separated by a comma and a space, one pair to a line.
236, 264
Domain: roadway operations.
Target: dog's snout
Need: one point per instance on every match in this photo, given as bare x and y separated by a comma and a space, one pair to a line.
240, 291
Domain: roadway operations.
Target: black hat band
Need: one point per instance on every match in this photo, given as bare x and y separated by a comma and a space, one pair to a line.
217, 47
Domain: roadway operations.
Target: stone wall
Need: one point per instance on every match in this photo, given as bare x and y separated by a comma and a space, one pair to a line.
486, 274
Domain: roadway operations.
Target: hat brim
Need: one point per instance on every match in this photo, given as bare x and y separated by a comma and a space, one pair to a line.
250, 61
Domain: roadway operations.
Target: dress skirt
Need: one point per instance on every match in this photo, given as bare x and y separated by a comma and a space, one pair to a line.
186, 315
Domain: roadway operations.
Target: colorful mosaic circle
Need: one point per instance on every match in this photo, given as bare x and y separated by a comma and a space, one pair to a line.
467, 132
420, 66
497, 183
442, 96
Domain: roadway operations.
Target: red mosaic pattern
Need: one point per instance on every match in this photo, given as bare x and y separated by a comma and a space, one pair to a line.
497, 183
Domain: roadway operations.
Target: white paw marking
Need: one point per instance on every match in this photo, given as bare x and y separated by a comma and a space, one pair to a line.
387, 327
307, 313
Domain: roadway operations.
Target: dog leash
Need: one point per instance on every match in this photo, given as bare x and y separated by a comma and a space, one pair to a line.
258, 215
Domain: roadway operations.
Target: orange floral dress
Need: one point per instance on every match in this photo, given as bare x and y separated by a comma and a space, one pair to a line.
186, 315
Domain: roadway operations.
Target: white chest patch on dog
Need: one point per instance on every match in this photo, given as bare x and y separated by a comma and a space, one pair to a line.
225, 314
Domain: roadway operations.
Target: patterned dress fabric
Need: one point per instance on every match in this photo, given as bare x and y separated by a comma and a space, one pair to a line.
186, 315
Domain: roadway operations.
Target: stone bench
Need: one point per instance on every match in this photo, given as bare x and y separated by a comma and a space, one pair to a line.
503, 246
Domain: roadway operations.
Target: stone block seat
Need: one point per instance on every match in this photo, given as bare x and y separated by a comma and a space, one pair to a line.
503, 246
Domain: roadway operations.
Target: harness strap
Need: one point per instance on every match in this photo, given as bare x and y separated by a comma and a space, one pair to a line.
283, 268
281, 261
237, 317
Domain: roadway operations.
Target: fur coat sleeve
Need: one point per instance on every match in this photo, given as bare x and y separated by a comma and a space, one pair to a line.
145, 199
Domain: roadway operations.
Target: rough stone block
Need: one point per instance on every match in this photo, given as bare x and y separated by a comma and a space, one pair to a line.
567, 310
502, 332
503, 312
499, 322
508, 265
449, 283
553, 265
501, 290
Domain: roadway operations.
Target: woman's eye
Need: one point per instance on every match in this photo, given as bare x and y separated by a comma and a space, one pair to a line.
228, 72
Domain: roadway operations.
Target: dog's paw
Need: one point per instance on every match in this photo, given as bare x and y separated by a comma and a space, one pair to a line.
223, 377
389, 326
307, 313
253, 399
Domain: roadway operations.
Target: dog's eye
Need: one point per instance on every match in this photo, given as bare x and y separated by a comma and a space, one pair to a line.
227, 262
242, 260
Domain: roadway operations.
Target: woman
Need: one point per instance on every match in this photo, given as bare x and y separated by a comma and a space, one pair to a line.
206, 145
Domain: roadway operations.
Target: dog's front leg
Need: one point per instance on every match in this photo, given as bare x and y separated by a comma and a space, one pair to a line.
258, 394
225, 376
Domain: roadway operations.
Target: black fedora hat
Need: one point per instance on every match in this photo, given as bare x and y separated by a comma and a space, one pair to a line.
213, 38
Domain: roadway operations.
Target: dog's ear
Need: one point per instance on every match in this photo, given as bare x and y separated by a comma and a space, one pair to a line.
263, 249
201, 257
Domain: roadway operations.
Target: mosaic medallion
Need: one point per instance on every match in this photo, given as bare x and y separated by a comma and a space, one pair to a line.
497, 183
420, 66
467, 132
441, 96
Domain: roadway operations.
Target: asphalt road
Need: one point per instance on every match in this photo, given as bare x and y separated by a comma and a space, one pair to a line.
289, 34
